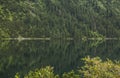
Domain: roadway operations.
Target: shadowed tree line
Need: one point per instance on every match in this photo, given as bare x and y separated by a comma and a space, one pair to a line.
59, 18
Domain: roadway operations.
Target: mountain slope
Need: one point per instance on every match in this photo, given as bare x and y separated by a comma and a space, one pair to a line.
60, 18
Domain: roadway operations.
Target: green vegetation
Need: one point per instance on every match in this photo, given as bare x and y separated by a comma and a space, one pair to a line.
3, 34
42, 73
96, 68
93, 68
62, 55
60, 18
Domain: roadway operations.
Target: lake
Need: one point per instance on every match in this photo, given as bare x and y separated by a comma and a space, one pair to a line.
63, 55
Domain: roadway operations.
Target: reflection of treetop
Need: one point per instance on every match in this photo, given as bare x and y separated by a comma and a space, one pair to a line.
61, 54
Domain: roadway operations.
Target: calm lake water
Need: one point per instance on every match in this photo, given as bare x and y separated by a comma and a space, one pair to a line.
62, 55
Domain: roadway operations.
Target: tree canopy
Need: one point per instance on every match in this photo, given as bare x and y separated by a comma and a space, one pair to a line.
60, 18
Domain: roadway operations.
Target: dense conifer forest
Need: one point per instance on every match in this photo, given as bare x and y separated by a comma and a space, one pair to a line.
60, 18
91, 27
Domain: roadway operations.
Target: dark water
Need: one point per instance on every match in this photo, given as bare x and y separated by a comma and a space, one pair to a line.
62, 55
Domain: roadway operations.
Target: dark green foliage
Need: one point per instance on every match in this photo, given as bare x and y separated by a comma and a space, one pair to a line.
93, 68
60, 18
62, 55
4, 33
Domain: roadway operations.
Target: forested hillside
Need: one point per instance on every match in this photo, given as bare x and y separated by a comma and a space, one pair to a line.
59, 18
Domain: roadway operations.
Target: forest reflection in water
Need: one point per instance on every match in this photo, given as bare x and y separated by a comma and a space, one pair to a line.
63, 55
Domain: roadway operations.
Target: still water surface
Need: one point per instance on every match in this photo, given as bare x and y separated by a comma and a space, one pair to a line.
62, 55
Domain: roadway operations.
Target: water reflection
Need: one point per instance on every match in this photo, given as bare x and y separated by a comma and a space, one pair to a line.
63, 55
